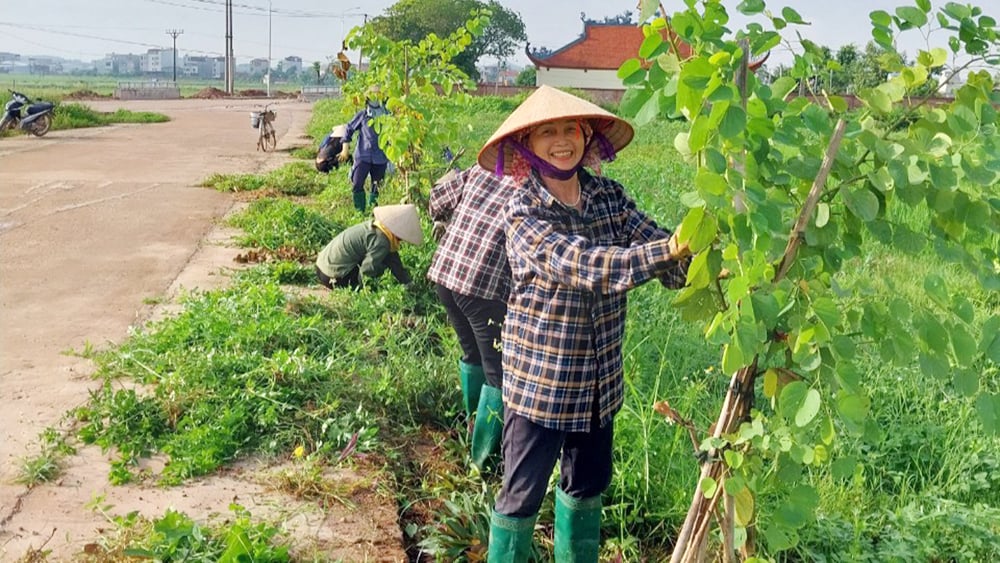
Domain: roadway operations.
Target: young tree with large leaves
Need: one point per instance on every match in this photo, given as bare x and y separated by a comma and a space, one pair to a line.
791, 191
415, 19
421, 86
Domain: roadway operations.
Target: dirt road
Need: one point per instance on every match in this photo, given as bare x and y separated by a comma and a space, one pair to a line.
92, 223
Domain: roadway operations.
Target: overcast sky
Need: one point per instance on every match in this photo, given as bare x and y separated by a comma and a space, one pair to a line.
313, 29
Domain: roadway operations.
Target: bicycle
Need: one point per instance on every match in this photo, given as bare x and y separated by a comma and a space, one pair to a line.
263, 121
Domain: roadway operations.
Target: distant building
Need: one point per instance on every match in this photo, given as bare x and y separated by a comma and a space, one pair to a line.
204, 67
258, 66
292, 64
592, 60
119, 64
156, 61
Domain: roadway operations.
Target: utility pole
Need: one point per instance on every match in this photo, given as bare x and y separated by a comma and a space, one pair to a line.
230, 64
174, 33
359, 49
268, 48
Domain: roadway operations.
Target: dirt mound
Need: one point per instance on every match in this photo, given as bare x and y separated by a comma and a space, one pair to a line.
210, 93
85, 95
252, 93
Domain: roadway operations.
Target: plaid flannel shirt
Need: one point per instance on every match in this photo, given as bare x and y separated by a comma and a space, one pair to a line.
470, 259
562, 337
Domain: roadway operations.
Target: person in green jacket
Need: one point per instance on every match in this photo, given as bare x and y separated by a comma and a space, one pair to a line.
369, 248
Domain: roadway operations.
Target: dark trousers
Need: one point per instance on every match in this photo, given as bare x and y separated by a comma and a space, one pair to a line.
477, 323
362, 170
350, 280
530, 452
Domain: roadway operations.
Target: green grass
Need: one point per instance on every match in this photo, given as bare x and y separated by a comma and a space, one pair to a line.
254, 369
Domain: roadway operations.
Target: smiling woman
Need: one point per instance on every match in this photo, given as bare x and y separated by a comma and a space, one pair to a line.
576, 244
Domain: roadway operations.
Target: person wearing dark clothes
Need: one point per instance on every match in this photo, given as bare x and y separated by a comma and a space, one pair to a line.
369, 160
329, 149
370, 248
472, 277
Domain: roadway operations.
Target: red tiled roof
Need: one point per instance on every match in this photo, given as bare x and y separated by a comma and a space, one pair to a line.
602, 47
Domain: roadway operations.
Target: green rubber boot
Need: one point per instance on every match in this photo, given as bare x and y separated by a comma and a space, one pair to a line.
472, 383
359, 201
488, 430
373, 198
510, 538
577, 529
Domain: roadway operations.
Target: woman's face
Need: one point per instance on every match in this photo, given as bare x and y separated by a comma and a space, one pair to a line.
560, 143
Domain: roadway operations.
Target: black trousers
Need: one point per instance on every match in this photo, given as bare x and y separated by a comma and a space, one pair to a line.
530, 452
350, 280
477, 323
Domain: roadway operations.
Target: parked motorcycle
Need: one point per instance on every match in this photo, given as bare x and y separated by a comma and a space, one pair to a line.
20, 111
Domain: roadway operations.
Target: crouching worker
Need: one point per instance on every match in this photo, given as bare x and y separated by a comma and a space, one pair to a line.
369, 248
329, 150
576, 243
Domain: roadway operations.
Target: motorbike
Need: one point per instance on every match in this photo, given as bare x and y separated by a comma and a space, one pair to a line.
21, 112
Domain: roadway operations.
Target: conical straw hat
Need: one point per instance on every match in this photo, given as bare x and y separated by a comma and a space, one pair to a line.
402, 220
550, 104
338, 131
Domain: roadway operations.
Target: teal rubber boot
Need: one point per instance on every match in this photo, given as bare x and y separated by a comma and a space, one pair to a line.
488, 430
359, 201
577, 529
373, 198
510, 538
473, 378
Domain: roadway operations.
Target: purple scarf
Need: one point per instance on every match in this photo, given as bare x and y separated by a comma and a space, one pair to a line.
605, 150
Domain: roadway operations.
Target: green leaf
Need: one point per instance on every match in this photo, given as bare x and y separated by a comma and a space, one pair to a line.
799, 508
743, 500
913, 16
809, 408
751, 7
733, 123
708, 487
862, 203
924, 5
880, 18
633, 100
936, 289
966, 382
649, 45
732, 358
699, 228
629, 68
988, 408
877, 99
791, 399
782, 86
963, 345
822, 214
853, 408
990, 343
791, 16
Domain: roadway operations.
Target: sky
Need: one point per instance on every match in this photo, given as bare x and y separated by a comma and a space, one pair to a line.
314, 30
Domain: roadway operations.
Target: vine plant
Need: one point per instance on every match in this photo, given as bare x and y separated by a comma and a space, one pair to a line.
790, 192
421, 87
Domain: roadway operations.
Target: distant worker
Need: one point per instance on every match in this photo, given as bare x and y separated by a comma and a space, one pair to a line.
369, 160
369, 248
327, 157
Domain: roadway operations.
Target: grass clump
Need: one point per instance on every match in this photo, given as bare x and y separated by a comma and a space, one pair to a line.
47, 464
175, 536
279, 223
76, 116
293, 179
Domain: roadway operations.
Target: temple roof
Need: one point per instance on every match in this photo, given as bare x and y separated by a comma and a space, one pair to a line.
601, 47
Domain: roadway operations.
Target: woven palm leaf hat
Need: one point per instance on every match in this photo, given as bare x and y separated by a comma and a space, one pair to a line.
402, 220
550, 104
